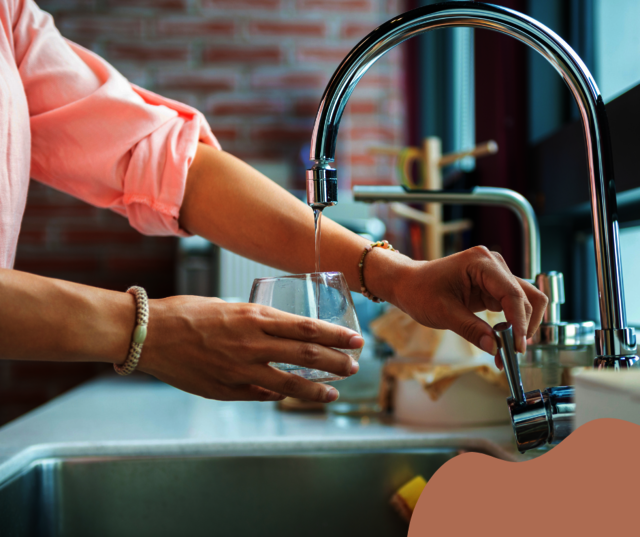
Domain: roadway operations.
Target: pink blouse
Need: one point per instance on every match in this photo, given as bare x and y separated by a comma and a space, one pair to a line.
70, 120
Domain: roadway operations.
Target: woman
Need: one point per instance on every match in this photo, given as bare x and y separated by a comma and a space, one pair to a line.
71, 121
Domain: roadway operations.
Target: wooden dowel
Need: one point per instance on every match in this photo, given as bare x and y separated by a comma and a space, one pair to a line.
446, 228
412, 214
487, 148
457, 226
391, 151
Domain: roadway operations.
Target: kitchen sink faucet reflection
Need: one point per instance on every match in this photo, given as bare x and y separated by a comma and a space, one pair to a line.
615, 341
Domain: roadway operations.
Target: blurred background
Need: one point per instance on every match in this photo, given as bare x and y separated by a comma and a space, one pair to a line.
257, 70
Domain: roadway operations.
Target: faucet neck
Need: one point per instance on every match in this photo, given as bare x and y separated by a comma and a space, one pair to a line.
616, 339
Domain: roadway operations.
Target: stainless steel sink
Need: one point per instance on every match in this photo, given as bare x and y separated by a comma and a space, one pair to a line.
339, 493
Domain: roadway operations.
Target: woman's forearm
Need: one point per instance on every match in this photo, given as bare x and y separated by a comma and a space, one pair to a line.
54, 320
235, 206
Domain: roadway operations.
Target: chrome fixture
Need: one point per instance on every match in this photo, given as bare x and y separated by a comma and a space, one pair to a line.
539, 416
615, 342
553, 332
502, 197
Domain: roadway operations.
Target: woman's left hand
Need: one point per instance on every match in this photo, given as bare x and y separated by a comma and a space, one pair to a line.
446, 294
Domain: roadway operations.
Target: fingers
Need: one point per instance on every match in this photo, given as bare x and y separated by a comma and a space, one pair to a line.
250, 392
285, 325
294, 386
538, 301
311, 355
495, 279
522, 303
469, 326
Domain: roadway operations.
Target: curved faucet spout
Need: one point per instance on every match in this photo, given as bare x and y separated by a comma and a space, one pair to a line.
615, 339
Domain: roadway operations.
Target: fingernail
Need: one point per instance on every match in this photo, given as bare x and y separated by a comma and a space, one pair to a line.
523, 345
355, 366
332, 395
488, 345
356, 342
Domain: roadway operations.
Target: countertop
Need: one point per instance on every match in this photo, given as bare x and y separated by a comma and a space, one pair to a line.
139, 416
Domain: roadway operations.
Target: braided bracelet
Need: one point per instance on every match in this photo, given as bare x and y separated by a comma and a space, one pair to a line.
363, 288
139, 334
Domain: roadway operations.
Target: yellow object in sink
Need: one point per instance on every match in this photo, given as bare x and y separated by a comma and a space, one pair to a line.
404, 501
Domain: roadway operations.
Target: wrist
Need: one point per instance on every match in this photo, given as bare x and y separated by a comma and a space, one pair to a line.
159, 325
382, 271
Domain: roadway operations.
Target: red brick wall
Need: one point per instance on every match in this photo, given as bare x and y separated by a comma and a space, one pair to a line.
257, 69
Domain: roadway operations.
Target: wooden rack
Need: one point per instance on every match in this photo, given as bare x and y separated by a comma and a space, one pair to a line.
430, 161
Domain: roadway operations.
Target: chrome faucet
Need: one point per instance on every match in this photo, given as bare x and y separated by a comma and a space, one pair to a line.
538, 417
479, 195
615, 341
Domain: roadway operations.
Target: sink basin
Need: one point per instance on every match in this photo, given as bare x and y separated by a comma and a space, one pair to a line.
337, 493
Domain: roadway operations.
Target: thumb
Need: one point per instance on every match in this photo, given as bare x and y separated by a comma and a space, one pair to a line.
466, 324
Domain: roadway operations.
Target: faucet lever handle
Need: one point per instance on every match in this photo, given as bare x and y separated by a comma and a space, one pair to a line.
507, 351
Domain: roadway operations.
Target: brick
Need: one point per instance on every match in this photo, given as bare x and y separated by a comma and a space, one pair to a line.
173, 5
355, 30
53, 6
372, 80
333, 55
98, 24
228, 133
282, 133
148, 52
246, 107
100, 236
242, 54
347, 6
241, 4
362, 107
372, 133
288, 28
290, 80
194, 26
306, 108
64, 264
195, 80
362, 159
396, 7
354, 107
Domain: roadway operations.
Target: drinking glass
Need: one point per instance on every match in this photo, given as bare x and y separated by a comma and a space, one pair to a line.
319, 295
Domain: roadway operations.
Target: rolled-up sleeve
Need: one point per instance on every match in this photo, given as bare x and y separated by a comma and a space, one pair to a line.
100, 138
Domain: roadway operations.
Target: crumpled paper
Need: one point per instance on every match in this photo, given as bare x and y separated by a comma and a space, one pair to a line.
434, 358
435, 379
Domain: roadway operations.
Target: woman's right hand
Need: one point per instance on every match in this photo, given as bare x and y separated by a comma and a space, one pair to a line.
221, 350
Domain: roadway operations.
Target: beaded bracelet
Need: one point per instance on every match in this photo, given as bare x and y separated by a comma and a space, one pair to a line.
139, 334
363, 288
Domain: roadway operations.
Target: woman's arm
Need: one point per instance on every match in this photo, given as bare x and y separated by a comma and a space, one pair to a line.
54, 320
200, 345
235, 206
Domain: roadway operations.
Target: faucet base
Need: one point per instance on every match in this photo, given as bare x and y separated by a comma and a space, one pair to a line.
545, 417
617, 363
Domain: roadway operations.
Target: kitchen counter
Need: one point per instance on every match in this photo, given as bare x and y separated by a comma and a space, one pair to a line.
140, 416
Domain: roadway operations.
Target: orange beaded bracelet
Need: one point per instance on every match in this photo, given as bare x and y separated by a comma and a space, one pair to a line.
363, 288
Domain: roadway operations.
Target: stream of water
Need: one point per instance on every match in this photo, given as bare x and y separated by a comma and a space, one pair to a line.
317, 220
